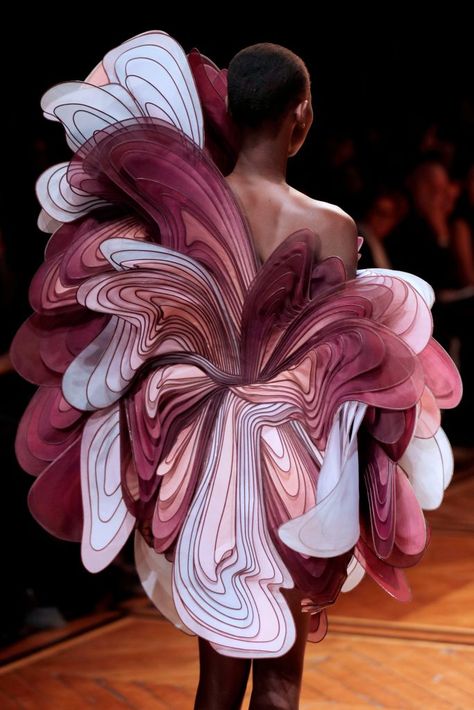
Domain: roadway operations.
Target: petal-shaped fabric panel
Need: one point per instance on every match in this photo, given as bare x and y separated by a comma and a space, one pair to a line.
408, 315
353, 362
429, 465
227, 571
391, 579
221, 134
74, 255
55, 499
355, 575
154, 69
60, 201
441, 375
178, 473
288, 453
46, 223
420, 285
392, 429
149, 76
107, 522
331, 527
411, 535
102, 372
45, 345
380, 481
278, 293
290, 472
156, 577
25, 355
170, 289
388, 303
81, 240
84, 108
428, 415
150, 167
48, 427
173, 308
159, 408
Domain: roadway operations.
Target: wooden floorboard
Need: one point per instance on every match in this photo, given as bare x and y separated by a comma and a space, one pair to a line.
145, 663
457, 509
379, 653
49, 637
442, 587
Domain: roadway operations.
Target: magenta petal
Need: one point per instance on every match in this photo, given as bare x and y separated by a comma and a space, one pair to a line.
158, 409
410, 525
379, 476
47, 428
25, 355
391, 579
179, 473
151, 167
442, 376
55, 499
221, 135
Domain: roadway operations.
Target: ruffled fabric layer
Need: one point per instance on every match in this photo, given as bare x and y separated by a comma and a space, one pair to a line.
256, 426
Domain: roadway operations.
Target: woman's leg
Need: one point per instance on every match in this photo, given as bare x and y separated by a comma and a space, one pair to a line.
277, 681
222, 679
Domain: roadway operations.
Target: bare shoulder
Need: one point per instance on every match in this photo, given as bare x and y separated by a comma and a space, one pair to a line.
337, 231
325, 214
333, 216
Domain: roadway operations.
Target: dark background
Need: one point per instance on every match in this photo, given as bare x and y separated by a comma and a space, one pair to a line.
380, 78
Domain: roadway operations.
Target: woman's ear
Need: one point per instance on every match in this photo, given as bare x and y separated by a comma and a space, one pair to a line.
301, 111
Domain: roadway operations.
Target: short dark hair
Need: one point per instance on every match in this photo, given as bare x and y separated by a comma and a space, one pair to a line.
264, 80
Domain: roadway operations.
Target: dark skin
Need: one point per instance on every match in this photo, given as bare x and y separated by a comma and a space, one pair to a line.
274, 210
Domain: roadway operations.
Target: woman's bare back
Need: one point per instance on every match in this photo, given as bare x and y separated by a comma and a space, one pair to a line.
275, 210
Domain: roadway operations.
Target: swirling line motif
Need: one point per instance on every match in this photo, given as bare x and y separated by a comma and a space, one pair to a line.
257, 426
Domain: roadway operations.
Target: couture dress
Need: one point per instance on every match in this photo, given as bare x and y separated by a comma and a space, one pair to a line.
253, 425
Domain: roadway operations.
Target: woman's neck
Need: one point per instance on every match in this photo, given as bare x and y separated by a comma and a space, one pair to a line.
262, 156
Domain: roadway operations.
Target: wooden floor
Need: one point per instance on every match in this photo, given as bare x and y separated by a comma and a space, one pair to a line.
378, 653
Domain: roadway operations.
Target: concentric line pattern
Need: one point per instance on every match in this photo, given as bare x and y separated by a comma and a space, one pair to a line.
148, 75
258, 426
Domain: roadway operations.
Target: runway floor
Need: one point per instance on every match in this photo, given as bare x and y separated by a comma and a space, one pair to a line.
378, 652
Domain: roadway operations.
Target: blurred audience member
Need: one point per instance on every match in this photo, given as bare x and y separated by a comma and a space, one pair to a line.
384, 211
421, 244
462, 230
435, 140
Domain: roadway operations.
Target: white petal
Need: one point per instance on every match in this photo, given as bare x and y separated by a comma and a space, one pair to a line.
58, 200
331, 527
155, 70
47, 223
156, 573
99, 375
429, 465
355, 574
84, 109
227, 571
107, 521
423, 287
